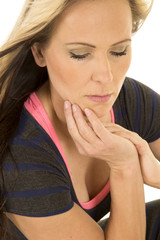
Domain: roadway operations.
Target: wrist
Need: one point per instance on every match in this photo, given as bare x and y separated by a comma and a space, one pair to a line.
127, 192
154, 179
129, 169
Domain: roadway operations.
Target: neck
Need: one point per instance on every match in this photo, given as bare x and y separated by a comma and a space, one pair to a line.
54, 106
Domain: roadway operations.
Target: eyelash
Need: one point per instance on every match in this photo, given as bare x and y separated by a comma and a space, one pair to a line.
79, 57
82, 57
119, 54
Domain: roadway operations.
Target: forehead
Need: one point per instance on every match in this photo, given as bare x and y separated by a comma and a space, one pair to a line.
96, 20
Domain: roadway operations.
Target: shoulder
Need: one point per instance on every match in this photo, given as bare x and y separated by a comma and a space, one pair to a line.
138, 109
32, 146
30, 138
137, 91
35, 176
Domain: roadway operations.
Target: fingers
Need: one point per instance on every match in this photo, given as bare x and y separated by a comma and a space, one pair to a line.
97, 126
77, 124
84, 129
71, 124
114, 128
139, 143
96, 141
83, 135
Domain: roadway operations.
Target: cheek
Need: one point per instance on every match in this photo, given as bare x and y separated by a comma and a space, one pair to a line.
120, 71
67, 74
129, 59
66, 78
57, 70
123, 66
128, 62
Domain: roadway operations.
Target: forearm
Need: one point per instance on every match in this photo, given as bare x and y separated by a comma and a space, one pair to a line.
127, 219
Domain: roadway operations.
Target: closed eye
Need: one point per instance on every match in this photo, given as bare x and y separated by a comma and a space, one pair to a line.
79, 57
119, 54
84, 56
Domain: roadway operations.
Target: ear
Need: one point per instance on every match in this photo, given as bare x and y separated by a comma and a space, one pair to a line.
38, 55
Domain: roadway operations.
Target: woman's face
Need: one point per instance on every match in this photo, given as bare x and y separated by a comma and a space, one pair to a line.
89, 54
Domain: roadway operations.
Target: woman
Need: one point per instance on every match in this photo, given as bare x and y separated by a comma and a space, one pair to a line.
74, 129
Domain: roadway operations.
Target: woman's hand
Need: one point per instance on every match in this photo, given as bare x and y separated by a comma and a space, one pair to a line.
94, 140
149, 164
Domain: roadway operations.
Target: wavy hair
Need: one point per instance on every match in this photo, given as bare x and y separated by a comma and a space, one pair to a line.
19, 74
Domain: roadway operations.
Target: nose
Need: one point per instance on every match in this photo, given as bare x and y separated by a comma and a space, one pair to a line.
102, 71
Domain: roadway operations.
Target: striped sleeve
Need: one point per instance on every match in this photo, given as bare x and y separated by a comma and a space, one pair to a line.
38, 185
138, 109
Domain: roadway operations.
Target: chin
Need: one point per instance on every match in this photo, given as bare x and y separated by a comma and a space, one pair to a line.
101, 109
102, 112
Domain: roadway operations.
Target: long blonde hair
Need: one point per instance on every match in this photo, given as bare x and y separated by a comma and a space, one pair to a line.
36, 15
19, 75
140, 10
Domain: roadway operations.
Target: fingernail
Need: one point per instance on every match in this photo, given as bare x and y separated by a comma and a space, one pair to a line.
66, 104
87, 111
74, 107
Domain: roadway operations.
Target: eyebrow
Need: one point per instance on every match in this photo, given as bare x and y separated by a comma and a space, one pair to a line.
90, 45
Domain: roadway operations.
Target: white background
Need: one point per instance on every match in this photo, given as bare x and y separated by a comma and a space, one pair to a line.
145, 65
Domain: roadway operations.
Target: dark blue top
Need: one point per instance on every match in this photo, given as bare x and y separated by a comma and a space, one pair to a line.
39, 184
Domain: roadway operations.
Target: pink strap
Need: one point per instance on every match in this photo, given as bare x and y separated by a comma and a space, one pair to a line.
36, 109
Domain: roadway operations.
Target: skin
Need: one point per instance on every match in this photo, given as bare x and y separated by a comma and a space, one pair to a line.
105, 59
100, 72
149, 163
104, 24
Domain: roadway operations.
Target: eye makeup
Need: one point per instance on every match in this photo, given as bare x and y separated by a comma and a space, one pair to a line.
119, 51
82, 52
79, 57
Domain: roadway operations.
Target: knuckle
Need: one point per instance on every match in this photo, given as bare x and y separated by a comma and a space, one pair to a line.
135, 134
144, 143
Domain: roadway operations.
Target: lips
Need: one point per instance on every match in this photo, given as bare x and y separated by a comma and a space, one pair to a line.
99, 98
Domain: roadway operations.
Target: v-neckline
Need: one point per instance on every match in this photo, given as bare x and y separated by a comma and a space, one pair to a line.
36, 109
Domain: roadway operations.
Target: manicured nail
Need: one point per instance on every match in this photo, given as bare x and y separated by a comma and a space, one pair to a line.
87, 112
66, 104
74, 108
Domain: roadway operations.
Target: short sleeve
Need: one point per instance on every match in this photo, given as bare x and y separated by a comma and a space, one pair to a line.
138, 109
39, 184
150, 119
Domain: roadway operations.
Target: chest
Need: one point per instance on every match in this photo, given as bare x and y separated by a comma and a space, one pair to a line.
88, 175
